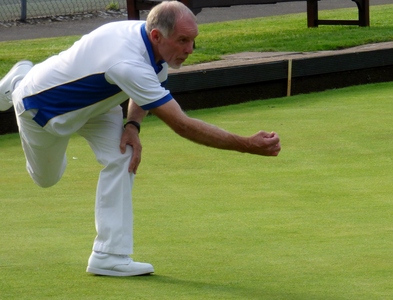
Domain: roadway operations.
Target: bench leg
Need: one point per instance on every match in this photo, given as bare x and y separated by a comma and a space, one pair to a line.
132, 12
312, 13
364, 12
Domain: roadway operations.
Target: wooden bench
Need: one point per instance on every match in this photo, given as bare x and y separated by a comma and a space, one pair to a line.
135, 6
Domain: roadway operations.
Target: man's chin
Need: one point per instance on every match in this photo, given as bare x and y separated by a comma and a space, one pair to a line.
175, 66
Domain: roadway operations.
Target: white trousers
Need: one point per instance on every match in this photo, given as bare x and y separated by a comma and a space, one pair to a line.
46, 162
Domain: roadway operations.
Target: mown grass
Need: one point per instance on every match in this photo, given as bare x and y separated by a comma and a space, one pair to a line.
290, 33
313, 223
277, 33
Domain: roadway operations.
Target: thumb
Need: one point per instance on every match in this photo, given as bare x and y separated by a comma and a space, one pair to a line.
272, 134
122, 146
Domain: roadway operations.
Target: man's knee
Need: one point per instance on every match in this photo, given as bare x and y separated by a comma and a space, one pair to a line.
44, 180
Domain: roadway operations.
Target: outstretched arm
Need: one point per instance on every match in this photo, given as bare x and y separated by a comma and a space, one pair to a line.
261, 143
130, 135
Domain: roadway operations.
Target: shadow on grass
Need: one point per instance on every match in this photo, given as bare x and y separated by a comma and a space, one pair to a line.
230, 290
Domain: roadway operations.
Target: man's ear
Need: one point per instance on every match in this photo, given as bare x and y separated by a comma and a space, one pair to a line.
155, 35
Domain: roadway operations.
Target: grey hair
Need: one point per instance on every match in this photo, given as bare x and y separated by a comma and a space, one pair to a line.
165, 15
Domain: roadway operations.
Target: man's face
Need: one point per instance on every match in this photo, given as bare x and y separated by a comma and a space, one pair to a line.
176, 48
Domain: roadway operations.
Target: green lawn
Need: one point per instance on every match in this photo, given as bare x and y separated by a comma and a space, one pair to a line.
313, 223
277, 33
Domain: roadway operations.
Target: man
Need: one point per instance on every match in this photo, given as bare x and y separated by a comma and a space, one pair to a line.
81, 89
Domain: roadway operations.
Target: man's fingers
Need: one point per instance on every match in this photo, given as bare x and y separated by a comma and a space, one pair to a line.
273, 139
122, 149
272, 142
275, 149
123, 145
134, 163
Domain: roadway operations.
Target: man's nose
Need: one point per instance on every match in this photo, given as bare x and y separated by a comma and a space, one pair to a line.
190, 47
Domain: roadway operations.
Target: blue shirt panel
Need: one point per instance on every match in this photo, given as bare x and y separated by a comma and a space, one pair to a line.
70, 96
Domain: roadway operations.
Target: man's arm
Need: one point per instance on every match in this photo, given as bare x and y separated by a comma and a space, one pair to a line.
261, 143
130, 135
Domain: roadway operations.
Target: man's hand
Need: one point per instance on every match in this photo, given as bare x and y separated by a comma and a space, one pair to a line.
130, 137
265, 143
261, 143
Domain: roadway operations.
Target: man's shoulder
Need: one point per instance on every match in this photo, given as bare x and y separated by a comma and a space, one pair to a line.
118, 25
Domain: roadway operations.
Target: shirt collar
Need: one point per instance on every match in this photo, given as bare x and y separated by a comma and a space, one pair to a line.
157, 66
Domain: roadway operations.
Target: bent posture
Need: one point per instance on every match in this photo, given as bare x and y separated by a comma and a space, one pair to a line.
81, 89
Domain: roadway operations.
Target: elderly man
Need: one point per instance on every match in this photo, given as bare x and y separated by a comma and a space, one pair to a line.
81, 89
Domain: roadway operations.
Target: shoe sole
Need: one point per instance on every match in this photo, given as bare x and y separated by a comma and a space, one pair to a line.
18, 64
6, 96
104, 272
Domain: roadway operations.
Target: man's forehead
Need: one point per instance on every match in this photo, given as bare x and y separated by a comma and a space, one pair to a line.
186, 27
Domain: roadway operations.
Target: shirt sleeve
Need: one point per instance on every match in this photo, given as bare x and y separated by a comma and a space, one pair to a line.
140, 82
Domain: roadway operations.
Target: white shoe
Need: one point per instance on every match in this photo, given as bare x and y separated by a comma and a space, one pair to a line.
116, 265
7, 84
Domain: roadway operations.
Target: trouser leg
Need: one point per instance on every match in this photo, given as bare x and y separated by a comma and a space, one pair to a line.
113, 212
45, 153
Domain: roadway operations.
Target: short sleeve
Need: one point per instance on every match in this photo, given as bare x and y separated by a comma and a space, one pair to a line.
140, 82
